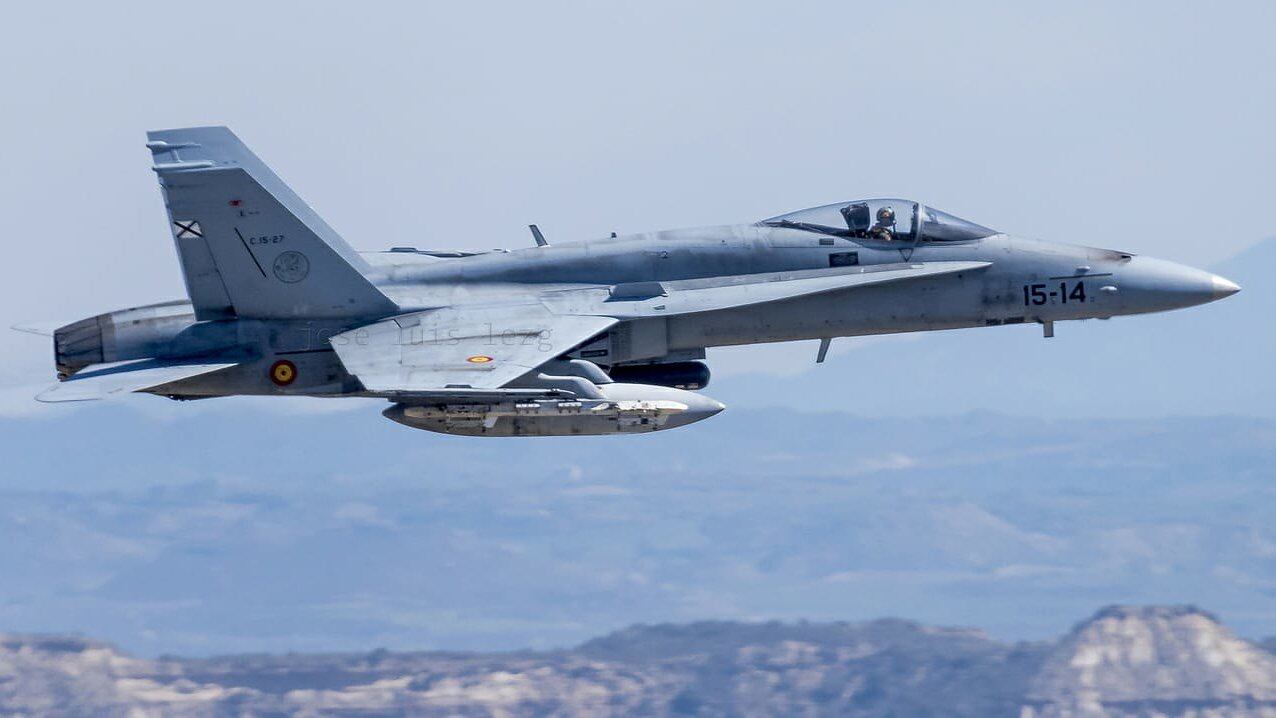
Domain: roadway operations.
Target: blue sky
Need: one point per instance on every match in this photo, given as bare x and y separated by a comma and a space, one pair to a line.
1139, 126
1143, 126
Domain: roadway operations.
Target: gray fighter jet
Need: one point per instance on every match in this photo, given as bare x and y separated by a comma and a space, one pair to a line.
606, 336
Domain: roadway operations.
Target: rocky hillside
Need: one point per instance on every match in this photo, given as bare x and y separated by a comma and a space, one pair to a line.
1124, 661
1152, 662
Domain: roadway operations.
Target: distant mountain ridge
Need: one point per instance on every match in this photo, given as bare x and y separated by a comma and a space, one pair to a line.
1173, 661
232, 531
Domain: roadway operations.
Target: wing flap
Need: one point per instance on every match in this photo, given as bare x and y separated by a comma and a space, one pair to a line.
460, 347
703, 295
102, 381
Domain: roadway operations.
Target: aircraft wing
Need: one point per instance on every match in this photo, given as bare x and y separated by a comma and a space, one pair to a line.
688, 296
471, 350
101, 381
455, 349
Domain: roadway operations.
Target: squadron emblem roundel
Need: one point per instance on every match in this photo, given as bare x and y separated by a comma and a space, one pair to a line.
283, 372
291, 267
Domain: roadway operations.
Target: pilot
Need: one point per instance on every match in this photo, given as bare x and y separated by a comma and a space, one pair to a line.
884, 229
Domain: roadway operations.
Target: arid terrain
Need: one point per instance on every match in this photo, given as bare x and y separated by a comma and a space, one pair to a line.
1122, 661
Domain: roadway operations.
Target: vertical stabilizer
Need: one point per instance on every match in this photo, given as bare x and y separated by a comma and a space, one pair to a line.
249, 246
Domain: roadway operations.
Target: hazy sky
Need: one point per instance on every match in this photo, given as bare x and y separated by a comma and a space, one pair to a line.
1144, 126
1140, 126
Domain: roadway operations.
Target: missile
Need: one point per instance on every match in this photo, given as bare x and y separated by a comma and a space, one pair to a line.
624, 409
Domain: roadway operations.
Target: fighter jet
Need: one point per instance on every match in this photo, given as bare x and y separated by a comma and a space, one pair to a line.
606, 336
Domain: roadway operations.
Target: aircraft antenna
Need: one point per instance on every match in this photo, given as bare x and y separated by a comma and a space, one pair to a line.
536, 234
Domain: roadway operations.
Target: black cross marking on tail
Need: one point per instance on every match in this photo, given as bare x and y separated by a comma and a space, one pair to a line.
188, 228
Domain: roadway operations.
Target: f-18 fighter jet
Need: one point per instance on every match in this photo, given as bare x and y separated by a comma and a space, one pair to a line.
606, 336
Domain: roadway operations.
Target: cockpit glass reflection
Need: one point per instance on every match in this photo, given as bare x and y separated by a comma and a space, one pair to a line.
940, 226
884, 220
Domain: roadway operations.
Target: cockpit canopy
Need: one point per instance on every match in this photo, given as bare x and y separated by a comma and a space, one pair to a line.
882, 219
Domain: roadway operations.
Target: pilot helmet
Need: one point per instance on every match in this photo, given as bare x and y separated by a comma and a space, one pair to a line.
886, 216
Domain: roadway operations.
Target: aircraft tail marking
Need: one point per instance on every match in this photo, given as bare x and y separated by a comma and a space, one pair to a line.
249, 246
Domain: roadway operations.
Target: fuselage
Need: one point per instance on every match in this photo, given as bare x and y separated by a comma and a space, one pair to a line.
606, 336
1022, 281
1026, 281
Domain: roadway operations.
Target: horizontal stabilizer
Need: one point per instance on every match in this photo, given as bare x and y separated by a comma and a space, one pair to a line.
44, 329
103, 381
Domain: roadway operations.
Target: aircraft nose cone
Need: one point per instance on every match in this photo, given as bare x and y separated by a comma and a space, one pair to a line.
1152, 285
